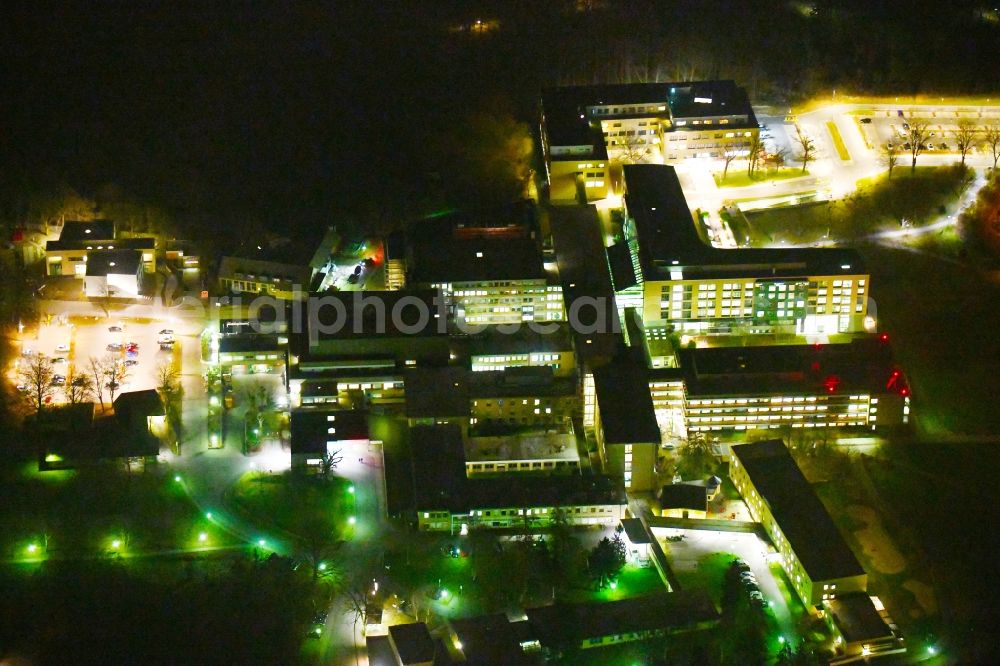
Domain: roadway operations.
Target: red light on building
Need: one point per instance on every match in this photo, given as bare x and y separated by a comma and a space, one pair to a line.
904, 391
884, 337
831, 383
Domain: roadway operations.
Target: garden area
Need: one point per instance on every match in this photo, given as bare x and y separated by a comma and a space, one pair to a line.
909, 199
103, 510
740, 178
301, 506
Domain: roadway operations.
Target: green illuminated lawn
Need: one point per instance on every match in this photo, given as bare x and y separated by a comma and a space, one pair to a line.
297, 505
739, 177
103, 511
879, 204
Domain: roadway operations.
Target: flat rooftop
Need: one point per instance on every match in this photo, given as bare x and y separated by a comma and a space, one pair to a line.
478, 259
863, 365
113, 262
436, 478
797, 510
671, 248
311, 428
372, 314
143, 243
76, 230
492, 639
857, 618
526, 447
624, 401
571, 624
436, 392
255, 270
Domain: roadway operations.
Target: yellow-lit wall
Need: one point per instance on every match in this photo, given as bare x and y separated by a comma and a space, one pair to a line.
682, 302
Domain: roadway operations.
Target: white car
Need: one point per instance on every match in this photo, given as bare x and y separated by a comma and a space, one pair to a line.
62, 348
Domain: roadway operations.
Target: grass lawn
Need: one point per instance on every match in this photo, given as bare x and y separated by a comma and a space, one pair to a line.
296, 504
739, 177
918, 196
632, 581
838, 141
84, 511
709, 575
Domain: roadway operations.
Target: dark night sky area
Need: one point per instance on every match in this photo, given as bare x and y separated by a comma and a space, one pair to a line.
293, 114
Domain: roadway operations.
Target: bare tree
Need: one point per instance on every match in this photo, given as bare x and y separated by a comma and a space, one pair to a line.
917, 135
35, 375
807, 147
728, 156
756, 150
116, 373
79, 388
992, 137
95, 368
889, 156
631, 149
965, 137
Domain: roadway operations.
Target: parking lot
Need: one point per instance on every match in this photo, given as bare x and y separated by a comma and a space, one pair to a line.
71, 343
882, 126
686, 554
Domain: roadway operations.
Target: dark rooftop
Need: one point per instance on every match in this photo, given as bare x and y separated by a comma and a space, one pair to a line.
490, 639
248, 342
92, 230
634, 530
519, 381
865, 364
857, 618
436, 392
492, 340
435, 470
144, 243
583, 269
797, 510
372, 314
684, 496
114, 262
412, 642
700, 99
669, 240
447, 260
310, 428
138, 404
284, 275
624, 401
513, 220
571, 624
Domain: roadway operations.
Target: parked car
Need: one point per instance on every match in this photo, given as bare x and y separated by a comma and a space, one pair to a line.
58, 380
115, 347
58, 359
62, 348
129, 362
866, 121
79, 381
114, 329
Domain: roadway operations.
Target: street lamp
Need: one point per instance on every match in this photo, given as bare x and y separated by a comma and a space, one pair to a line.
116, 544
202, 537
32, 548
352, 520
350, 489
177, 478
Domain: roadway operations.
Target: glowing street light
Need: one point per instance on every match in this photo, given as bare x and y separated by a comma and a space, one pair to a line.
322, 566
781, 639
177, 478
350, 489
116, 544
261, 542
208, 515
932, 650
352, 520
203, 537
613, 585
32, 548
